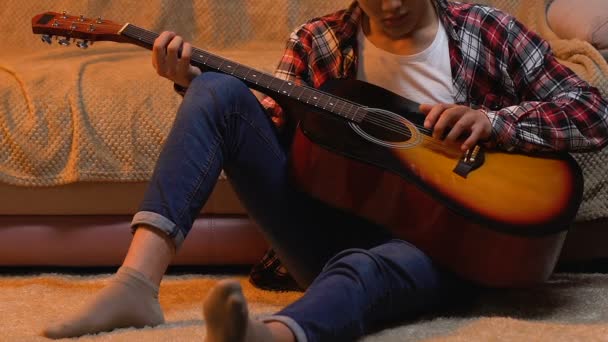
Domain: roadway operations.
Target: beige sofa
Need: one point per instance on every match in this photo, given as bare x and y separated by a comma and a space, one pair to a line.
81, 129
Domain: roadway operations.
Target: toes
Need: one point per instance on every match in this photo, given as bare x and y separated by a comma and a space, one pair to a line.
236, 303
229, 286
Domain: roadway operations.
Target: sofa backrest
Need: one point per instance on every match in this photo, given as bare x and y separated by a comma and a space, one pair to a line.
212, 23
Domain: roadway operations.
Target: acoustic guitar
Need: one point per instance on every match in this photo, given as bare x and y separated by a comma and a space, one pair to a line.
494, 217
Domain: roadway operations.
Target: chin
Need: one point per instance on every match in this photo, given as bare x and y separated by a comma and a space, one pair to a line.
396, 34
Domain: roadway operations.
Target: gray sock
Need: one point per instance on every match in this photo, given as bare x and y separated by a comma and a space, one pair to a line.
129, 300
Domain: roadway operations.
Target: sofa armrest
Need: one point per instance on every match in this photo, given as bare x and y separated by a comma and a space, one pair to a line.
586, 20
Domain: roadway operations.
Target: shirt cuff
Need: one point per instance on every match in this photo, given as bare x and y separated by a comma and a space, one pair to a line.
492, 141
179, 89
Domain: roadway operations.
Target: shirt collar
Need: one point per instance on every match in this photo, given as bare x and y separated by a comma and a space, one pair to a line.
351, 19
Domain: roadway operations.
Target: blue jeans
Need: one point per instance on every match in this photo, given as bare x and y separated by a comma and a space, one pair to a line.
357, 275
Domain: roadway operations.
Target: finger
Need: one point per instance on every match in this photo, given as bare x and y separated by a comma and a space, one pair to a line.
433, 114
472, 139
159, 51
425, 107
172, 55
183, 64
447, 119
462, 125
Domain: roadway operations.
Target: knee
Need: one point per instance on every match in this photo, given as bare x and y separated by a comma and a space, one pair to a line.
220, 84
353, 262
396, 260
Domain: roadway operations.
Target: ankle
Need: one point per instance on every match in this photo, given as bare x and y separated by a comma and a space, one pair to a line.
150, 253
280, 332
126, 274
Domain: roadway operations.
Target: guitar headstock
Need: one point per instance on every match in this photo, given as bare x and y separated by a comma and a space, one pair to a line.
69, 27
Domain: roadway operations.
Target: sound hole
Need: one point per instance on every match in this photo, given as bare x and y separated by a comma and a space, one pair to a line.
387, 129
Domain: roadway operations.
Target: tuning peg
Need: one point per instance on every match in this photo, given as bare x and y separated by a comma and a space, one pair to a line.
64, 41
47, 38
83, 44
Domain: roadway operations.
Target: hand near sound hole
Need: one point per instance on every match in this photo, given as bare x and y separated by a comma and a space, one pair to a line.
171, 59
457, 121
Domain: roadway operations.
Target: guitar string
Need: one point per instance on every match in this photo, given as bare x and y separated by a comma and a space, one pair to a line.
380, 119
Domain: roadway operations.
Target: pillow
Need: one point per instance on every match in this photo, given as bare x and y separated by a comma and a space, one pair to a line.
583, 19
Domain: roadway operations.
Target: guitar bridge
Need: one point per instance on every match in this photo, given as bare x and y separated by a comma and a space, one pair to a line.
471, 160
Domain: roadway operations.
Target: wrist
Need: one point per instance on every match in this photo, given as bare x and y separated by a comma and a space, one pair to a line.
492, 116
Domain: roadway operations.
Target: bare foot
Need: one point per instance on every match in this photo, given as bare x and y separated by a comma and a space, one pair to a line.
227, 316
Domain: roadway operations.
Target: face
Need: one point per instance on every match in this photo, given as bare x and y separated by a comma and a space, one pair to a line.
397, 18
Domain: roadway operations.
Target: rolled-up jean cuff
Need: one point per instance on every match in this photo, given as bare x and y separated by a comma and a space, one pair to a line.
161, 223
295, 328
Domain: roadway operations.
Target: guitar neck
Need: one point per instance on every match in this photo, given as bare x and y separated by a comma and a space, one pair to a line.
255, 79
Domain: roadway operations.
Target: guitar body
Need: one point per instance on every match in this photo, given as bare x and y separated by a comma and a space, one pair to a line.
502, 224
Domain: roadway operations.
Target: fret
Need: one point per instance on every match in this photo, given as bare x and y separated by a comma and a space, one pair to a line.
139, 34
356, 115
286, 88
221, 64
301, 92
280, 90
351, 112
315, 98
339, 108
203, 55
307, 95
255, 76
229, 69
246, 75
200, 56
329, 103
241, 71
348, 110
262, 79
212, 61
270, 82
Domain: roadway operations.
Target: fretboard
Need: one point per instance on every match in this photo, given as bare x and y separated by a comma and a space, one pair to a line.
258, 80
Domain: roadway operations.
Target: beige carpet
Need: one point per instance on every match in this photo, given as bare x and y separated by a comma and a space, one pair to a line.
571, 307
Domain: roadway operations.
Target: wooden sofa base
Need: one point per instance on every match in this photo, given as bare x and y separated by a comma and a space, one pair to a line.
103, 240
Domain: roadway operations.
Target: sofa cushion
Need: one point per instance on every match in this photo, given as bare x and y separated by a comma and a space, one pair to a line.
581, 19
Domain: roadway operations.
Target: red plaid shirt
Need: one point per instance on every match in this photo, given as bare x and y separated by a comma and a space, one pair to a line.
533, 102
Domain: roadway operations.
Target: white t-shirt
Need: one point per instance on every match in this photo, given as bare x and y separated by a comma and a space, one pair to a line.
424, 77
